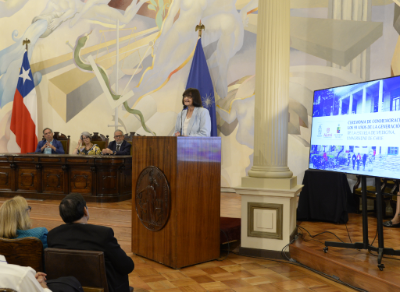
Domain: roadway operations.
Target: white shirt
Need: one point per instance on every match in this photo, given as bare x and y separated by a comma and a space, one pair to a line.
21, 279
185, 126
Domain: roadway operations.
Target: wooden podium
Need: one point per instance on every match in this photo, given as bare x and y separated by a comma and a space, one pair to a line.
176, 185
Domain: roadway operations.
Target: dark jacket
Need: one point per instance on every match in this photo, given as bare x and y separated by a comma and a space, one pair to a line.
124, 150
98, 238
56, 143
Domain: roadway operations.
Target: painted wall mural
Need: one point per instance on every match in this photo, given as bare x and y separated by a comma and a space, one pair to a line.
73, 52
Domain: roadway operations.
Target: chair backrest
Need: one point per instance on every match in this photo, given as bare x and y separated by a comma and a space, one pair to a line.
87, 266
128, 138
27, 251
100, 140
65, 140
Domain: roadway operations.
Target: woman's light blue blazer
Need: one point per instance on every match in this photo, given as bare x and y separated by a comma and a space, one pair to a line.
199, 125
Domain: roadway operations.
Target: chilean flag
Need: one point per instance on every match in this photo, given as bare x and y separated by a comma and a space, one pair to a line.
24, 112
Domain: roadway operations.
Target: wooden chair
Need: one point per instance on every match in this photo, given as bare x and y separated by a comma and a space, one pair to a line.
87, 266
388, 189
128, 138
8, 290
100, 140
27, 251
65, 140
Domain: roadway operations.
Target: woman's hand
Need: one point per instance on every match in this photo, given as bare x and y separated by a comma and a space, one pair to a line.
177, 134
79, 143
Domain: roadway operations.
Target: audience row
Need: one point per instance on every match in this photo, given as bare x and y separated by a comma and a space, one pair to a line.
75, 234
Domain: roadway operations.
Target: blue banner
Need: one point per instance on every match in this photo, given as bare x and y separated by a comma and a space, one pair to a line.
199, 77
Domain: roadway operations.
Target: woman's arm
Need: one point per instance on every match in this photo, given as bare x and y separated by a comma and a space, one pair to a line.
178, 124
204, 125
76, 150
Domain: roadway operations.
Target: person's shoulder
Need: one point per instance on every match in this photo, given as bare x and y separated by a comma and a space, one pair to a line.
202, 110
39, 230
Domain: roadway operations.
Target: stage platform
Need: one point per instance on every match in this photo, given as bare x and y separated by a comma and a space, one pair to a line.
352, 266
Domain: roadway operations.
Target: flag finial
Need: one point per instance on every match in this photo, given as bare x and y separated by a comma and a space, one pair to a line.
26, 42
199, 28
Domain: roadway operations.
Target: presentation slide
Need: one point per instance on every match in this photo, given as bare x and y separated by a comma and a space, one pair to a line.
356, 129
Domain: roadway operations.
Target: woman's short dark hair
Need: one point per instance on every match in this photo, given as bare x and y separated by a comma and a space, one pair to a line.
195, 94
71, 208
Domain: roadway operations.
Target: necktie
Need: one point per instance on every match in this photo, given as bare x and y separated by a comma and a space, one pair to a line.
118, 146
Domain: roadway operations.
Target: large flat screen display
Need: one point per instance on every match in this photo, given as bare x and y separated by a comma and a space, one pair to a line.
356, 129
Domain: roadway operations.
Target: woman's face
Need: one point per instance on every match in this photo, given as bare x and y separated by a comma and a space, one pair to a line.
188, 100
85, 139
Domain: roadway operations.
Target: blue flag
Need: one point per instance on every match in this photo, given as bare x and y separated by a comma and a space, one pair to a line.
199, 77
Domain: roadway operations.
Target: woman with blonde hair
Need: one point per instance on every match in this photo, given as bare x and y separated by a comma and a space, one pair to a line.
15, 221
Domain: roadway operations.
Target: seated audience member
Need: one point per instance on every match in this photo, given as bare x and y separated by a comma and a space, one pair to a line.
395, 222
49, 145
87, 148
77, 234
119, 146
16, 223
22, 278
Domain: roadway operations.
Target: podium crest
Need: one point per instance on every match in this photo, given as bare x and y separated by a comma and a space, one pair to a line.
152, 198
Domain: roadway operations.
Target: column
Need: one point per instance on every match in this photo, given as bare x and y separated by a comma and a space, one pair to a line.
359, 10
269, 193
380, 102
272, 90
364, 99
350, 104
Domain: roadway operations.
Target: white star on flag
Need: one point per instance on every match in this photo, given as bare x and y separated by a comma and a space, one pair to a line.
25, 75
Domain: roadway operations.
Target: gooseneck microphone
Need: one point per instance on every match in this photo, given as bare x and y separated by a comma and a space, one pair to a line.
181, 121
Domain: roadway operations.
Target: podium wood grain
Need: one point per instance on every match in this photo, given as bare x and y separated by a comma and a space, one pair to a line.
192, 167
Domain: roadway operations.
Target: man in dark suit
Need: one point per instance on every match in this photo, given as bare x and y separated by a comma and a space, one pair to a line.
119, 146
77, 234
49, 145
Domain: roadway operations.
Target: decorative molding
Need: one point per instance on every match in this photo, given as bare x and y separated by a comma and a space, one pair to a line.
263, 253
277, 225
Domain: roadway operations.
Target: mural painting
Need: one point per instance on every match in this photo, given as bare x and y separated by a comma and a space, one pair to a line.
74, 46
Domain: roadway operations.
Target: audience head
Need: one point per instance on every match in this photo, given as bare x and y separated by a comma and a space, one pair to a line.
118, 136
48, 134
73, 208
194, 94
14, 215
86, 137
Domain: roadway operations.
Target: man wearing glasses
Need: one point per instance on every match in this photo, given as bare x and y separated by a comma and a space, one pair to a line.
49, 145
119, 146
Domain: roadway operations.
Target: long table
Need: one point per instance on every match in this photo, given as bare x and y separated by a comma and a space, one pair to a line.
39, 176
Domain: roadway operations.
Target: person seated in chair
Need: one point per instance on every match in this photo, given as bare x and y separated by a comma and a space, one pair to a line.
21, 278
77, 234
395, 222
88, 148
119, 146
49, 145
15, 221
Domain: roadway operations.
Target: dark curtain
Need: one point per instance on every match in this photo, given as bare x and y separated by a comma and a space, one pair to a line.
326, 196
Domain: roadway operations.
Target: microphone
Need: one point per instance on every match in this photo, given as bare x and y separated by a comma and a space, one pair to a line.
181, 121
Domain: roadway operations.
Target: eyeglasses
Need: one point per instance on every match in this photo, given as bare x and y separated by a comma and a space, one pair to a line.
86, 138
29, 208
118, 136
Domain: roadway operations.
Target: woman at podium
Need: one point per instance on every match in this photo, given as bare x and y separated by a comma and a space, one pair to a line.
85, 146
193, 120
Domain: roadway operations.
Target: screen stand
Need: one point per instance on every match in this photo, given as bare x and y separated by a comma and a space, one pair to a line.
365, 244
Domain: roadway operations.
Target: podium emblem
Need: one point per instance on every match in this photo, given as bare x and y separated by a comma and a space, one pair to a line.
152, 198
